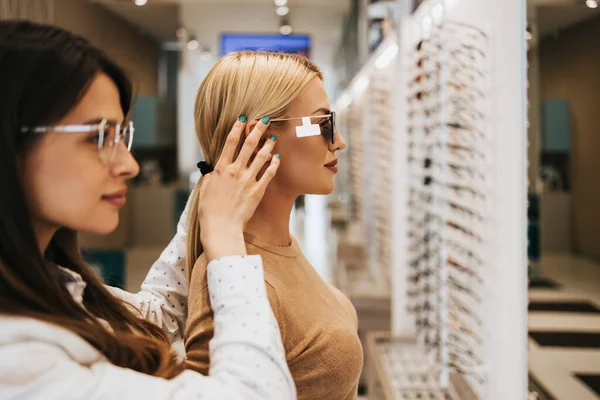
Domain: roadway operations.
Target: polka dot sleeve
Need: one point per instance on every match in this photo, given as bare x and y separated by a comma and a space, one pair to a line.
163, 296
246, 331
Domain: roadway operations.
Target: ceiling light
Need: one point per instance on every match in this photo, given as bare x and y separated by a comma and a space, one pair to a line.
141, 2
343, 102
282, 11
387, 56
361, 85
180, 33
591, 3
280, 3
438, 12
193, 43
529, 32
285, 29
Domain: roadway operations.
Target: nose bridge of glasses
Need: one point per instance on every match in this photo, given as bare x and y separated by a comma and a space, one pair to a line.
114, 137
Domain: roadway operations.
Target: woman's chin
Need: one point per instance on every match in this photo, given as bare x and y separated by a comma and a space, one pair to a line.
326, 189
101, 228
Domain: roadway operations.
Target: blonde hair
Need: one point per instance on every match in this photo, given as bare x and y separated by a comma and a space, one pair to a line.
254, 84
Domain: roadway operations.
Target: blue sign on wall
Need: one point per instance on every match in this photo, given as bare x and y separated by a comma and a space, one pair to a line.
231, 42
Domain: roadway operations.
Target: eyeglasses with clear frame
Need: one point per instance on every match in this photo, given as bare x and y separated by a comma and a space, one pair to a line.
110, 134
327, 125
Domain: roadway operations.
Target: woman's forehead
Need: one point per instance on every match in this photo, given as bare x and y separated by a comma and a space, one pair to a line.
312, 98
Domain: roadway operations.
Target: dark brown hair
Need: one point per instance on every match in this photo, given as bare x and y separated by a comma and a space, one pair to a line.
44, 72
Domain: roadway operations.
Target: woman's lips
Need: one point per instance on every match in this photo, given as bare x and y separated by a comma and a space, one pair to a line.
117, 199
332, 166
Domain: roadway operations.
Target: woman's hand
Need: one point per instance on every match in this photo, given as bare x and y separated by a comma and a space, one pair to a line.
230, 194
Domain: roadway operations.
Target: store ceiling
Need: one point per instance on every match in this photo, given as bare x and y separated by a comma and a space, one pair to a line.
342, 4
555, 15
553, 19
160, 18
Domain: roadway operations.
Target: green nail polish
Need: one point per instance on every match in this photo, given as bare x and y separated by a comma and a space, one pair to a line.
266, 120
243, 118
277, 155
273, 138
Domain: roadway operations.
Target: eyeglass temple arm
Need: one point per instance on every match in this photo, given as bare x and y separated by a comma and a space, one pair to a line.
64, 128
290, 119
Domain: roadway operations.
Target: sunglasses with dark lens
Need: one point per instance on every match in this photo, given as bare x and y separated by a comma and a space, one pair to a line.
328, 128
327, 125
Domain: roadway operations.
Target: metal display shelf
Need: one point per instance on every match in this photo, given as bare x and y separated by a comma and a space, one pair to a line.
398, 370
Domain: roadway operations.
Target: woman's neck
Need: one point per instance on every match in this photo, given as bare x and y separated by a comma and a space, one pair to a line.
43, 233
271, 220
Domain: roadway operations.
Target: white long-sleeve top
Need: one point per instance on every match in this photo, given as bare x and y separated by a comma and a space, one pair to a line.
39, 360
163, 296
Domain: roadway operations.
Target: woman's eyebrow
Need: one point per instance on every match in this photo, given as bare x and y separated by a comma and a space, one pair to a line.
96, 121
322, 110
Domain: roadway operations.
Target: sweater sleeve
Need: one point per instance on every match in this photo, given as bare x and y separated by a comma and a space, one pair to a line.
163, 295
248, 361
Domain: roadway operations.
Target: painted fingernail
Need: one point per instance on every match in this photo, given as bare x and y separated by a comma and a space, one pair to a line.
273, 138
277, 155
243, 118
266, 120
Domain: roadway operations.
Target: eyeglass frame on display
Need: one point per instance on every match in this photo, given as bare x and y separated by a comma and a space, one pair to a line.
433, 219
461, 175
453, 88
452, 106
456, 126
433, 239
426, 306
452, 45
456, 151
432, 58
457, 73
448, 25
428, 267
453, 190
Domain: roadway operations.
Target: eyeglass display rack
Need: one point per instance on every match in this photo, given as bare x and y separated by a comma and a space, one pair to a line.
400, 371
457, 183
367, 118
461, 268
448, 166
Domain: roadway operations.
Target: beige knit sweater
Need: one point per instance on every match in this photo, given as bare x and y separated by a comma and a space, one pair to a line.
318, 323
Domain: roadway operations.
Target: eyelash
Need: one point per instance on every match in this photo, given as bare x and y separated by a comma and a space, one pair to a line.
95, 138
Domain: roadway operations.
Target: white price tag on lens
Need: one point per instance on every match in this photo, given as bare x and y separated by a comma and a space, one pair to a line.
308, 128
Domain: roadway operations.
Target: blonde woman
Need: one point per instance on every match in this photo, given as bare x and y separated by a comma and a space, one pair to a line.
318, 324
